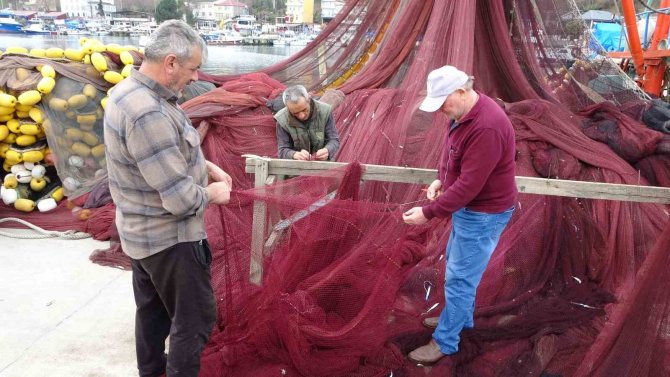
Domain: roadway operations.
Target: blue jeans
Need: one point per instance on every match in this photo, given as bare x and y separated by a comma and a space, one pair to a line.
474, 236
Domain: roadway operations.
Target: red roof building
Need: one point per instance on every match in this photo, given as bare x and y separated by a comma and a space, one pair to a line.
228, 3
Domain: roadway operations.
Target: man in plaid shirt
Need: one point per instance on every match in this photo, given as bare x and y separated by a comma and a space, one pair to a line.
158, 178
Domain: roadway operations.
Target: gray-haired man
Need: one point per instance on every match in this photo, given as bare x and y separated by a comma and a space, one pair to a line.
158, 178
305, 127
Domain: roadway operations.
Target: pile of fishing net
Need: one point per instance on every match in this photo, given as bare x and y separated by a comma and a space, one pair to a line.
51, 146
576, 286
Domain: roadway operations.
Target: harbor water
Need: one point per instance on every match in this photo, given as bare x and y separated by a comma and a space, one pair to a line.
222, 60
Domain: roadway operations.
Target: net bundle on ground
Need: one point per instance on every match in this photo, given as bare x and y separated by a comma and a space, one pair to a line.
575, 288
89, 207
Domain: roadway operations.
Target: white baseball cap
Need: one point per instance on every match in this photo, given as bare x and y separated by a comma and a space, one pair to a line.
441, 83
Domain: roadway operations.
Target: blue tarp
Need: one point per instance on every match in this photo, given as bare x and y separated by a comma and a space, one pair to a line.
610, 36
74, 24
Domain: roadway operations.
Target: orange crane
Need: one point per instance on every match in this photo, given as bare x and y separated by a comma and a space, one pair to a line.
650, 64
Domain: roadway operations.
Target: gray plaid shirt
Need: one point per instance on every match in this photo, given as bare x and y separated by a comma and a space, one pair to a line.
157, 171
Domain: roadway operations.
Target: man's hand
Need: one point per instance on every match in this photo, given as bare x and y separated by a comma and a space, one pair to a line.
434, 190
414, 216
322, 154
303, 155
216, 174
218, 192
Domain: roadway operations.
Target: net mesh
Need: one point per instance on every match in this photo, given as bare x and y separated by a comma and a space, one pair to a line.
575, 288
346, 283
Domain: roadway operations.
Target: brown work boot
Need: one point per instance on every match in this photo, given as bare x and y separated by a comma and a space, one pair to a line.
431, 322
426, 355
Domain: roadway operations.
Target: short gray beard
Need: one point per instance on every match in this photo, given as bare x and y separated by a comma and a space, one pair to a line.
173, 87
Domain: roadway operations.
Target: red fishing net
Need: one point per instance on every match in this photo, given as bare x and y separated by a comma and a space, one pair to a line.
577, 287
346, 283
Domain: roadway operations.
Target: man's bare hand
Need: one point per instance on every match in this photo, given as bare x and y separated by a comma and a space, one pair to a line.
434, 190
303, 155
218, 192
216, 174
322, 154
414, 216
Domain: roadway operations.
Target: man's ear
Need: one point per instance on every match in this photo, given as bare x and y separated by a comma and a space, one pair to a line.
169, 62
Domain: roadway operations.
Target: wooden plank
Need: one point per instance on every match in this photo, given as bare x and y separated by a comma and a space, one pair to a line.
529, 185
371, 172
258, 227
280, 227
593, 190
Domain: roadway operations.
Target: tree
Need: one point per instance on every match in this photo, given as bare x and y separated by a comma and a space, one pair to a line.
575, 28
316, 16
281, 5
187, 11
167, 10
144, 6
266, 10
190, 18
101, 11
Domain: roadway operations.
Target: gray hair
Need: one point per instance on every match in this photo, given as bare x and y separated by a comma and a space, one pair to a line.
174, 37
470, 83
293, 94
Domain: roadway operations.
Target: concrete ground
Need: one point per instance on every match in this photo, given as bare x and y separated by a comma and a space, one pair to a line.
60, 314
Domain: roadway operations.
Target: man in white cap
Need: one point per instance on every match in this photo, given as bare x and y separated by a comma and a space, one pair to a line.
477, 188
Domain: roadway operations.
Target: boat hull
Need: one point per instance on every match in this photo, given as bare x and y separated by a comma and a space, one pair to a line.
10, 29
39, 32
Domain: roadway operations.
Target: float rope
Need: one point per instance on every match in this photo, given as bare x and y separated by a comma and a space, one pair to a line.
42, 233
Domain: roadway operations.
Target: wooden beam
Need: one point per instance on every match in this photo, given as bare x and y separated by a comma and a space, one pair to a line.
527, 185
370, 173
593, 190
279, 229
258, 227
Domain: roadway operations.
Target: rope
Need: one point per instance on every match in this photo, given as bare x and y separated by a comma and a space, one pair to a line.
41, 233
652, 9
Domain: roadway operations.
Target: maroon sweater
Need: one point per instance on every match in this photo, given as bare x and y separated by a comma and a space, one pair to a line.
477, 168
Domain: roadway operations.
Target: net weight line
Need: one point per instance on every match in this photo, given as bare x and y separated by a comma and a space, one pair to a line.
40, 233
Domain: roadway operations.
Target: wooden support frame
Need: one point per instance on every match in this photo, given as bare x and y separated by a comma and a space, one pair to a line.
261, 168
264, 167
370, 172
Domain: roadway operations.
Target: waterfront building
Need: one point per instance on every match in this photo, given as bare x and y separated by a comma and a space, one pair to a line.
87, 8
206, 23
299, 12
330, 9
39, 5
123, 22
213, 12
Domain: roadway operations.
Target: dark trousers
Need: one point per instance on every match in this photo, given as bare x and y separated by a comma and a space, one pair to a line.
174, 296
